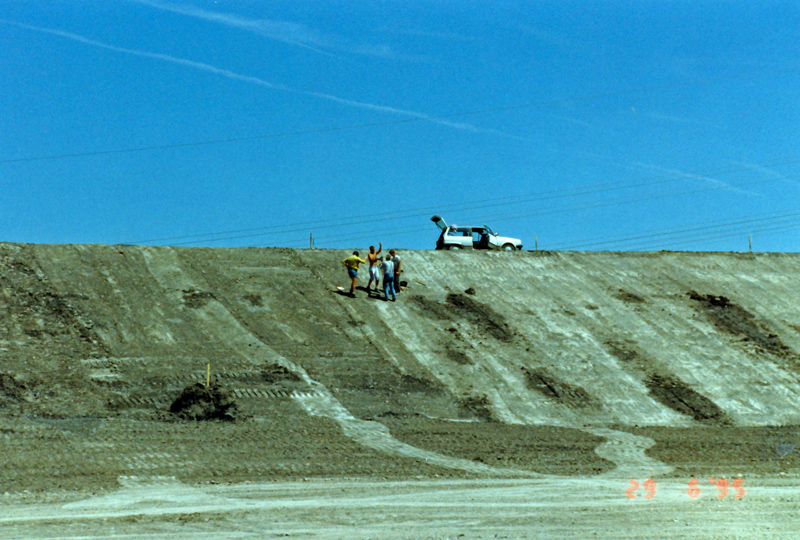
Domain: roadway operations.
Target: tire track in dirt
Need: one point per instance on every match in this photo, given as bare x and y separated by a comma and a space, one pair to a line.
377, 436
165, 267
627, 451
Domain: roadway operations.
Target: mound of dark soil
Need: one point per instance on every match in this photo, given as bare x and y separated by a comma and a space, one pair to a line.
482, 315
739, 322
680, 397
275, 373
201, 402
478, 406
462, 307
549, 386
10, 390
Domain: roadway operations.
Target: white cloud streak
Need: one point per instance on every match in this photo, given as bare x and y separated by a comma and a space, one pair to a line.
256, 80
287, 32
705, 179
157, 56
381, 108
770, 172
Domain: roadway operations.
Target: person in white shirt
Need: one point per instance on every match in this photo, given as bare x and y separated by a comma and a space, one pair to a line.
388, 278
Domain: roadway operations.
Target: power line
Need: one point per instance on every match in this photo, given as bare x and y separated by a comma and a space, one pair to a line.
572, 207
642, 246
473, 205
539, 212
658, 233
706, 238
399, 121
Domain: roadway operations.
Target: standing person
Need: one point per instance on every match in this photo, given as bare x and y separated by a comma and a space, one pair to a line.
351, 263
388, 278
398, 267
372, 258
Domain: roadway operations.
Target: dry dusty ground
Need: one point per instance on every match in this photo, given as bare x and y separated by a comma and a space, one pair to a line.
504, 395
576, 508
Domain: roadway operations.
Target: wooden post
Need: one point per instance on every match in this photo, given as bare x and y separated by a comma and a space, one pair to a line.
535, 243
750, 244
310, 240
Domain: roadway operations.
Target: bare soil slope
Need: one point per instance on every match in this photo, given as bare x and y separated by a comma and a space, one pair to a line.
506, 365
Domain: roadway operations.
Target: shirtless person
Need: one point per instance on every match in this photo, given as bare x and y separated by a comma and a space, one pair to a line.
372, 259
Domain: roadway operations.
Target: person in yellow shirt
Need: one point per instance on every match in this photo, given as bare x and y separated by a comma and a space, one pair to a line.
351, 263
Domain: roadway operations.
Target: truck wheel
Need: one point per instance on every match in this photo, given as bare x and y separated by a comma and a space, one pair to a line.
453, 247
509, 247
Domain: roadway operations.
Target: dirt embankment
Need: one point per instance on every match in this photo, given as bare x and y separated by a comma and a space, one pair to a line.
498, 364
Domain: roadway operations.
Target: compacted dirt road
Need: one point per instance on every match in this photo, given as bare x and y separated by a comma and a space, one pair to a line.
570, 508
504, 395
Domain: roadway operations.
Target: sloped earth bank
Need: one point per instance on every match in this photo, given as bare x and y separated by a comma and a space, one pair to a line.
507, 394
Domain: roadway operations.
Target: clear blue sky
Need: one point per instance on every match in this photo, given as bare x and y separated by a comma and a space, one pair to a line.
620, 125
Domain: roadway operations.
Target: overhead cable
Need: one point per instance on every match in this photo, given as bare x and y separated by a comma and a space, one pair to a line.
473, 205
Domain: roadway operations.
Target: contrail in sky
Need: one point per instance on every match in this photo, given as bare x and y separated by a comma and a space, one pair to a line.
285, 32
291, 33
690, 176
157, 56
770, 171
253, 80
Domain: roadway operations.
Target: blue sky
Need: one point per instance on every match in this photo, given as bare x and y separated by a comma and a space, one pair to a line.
624, 125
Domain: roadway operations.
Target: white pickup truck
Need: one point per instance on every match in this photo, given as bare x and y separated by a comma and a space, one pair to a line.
457, 237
